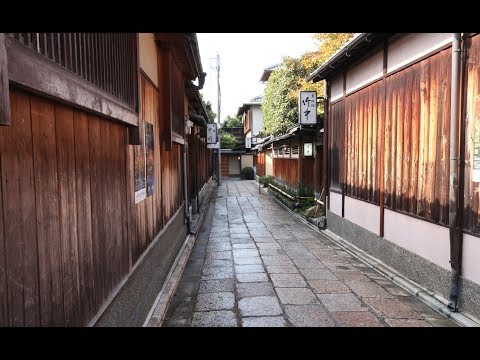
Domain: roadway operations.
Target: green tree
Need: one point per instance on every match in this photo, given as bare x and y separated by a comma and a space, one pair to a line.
227, 141
232, 121
208, 106
280, 101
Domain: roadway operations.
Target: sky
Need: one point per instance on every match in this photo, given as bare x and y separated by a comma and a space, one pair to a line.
243, 57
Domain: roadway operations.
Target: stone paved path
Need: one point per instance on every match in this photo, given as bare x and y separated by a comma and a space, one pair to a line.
254, 264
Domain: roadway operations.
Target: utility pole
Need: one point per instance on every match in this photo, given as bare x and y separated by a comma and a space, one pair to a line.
218, 118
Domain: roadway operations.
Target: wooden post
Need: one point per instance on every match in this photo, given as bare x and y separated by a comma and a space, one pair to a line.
4, 89
325, 146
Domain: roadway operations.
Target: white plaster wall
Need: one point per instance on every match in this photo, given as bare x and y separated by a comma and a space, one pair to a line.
336, 88
148, 55
246, 160
428, 240
268, 163
257, 119
407, 48
368, 70
363, 214
471, 258
336, 203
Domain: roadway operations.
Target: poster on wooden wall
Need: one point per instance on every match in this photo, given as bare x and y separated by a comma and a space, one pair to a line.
149, 158
139, 163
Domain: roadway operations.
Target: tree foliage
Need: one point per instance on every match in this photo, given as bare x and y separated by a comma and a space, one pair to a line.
280, 100
232, 121
227, 141
208, 106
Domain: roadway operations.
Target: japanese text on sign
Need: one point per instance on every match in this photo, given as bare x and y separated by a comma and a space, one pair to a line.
211, 133
307, 107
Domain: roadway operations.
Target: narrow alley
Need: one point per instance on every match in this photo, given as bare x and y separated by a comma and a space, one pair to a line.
254, 264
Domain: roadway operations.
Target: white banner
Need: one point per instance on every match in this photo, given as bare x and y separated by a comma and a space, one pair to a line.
307, 107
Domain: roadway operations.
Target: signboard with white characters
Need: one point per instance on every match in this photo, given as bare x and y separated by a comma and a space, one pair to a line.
248, 143
307, 107
211, 133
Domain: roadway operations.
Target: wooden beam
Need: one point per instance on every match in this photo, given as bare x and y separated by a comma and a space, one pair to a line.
4, 88
31, 70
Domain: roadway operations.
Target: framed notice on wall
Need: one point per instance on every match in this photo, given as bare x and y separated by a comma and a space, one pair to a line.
144, 162
149, 158
139, 165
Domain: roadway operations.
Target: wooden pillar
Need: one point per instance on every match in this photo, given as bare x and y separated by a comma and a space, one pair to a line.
4, 88
343, 167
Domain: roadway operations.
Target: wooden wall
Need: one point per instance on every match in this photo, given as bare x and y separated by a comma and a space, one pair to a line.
286, 171
63, 195
471, 215
411, 108
261, 163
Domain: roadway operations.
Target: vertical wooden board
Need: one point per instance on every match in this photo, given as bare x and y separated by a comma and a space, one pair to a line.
423, 138
379, 133
374, 139
68, 215
387, 147
131, 209
446, 72
473, 117
96, 198
84, 216
354, 144
468, 144
370, 139
365, 143
46, 197
432, 136
106, 221
439, 139
18, 220
4, 320
123, 170
115, 188
415, 131
407, 137
400, 140
361, 155
393, 139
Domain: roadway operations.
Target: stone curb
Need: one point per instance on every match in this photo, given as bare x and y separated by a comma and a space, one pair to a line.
158, 311
431, 299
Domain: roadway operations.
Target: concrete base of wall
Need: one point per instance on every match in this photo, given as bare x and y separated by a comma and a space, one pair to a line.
132, 303
409, 264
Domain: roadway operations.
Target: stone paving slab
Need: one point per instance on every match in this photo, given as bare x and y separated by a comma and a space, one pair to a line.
259, 306
214, 319
357, 319
264, 321
254, 289
217, 285
215, 301
295, 296
255, 265
308, 316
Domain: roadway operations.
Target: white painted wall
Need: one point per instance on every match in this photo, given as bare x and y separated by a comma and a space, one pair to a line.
471, 258
148, 55
336, 203
336, 88
257, 119
428, 240
268, 163
407, 48
366, 71
363, 214
246, 160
